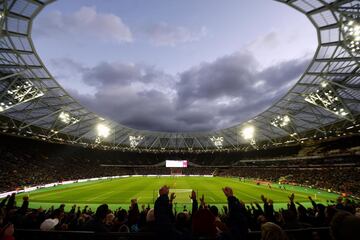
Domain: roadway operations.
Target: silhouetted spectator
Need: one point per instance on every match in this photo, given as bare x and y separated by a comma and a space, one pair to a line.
271, 231
97, 224
345, 226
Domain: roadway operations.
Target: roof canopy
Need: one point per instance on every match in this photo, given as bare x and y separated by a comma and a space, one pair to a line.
327, 93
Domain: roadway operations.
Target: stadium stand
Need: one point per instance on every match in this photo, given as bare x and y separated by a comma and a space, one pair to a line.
40, 163
309, 137
27, 162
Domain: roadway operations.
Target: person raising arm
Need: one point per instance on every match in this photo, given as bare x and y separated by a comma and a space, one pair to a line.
237, 221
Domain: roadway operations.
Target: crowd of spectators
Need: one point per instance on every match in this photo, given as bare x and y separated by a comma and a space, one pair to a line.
185, 225
20, 168
338, 179
40, 163
23, 169
233, 221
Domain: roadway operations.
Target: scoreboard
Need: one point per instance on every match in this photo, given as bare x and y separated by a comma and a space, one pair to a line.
177, 163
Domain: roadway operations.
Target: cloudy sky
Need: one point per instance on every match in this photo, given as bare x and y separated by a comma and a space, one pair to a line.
175, 65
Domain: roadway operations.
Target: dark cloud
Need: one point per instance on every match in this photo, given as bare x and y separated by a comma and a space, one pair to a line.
112, 73
206, 97
284, 72
119, 74
230, 76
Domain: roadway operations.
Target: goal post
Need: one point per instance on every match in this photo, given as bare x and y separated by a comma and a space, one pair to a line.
175, 171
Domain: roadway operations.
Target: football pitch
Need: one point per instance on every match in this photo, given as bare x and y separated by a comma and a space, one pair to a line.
118, 192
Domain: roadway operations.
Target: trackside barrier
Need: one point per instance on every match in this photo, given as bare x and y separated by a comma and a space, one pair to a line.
33, 188
25, 234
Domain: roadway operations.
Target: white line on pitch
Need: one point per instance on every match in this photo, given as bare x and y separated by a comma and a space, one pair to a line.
211, 198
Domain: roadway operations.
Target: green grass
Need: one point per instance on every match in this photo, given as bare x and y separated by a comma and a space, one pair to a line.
119, 192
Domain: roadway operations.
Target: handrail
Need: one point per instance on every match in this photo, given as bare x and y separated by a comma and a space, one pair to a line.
38, 234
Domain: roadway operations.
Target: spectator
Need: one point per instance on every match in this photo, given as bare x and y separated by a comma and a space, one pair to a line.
7, 232
53, 221
97, 224
134, 216
220, 226
163, 212
271, 231
122, 218
203, 221
237, 222
345, 226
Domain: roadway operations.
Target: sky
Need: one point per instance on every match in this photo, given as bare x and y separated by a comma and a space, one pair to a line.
175, 65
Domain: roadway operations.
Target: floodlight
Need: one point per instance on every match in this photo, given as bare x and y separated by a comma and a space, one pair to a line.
218, 141
327, 98
342, 112
103, 130
351, 32
286, 119
97, 140
281, 121
135, 140
324, 84
248, 132
20, 93
66, 118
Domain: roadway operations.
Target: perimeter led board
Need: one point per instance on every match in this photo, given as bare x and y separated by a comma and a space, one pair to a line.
177, 163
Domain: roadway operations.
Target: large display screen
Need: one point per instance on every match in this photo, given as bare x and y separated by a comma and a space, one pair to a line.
177, 163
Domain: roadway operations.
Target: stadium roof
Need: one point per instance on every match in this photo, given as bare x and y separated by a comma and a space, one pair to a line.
326, 95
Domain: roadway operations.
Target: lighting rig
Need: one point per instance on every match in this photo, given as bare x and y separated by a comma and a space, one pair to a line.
327, 98
18, 91
64, 120
217, 141
135, 140
103, 132
248, 133
350, 27
67, 119
284, 122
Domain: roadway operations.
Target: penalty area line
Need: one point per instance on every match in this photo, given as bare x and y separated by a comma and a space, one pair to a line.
211, 198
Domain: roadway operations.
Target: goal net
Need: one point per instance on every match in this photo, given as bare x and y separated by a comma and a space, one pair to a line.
176, 171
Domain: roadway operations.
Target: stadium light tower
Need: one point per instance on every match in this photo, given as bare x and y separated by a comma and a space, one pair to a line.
217, 141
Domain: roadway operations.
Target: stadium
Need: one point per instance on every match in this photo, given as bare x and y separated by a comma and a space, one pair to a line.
289, 172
